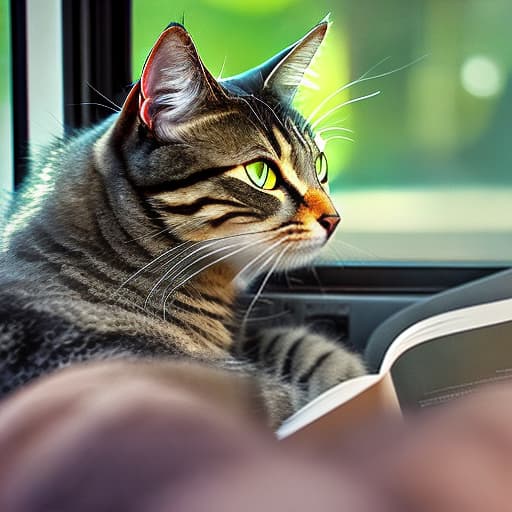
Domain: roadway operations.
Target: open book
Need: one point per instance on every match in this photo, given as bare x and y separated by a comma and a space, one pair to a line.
434, 360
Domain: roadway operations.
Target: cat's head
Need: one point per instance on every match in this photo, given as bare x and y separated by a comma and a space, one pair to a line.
230, 158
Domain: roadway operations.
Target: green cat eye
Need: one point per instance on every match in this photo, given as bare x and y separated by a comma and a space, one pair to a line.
321, 168
261, 175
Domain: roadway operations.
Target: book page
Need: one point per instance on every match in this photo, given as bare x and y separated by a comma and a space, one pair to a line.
452, 322
453, 366
459, 320
341, 408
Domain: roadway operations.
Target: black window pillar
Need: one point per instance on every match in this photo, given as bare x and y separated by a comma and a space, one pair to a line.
97, 57
19, 88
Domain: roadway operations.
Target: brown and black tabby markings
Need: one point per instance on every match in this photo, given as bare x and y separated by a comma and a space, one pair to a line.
132, 239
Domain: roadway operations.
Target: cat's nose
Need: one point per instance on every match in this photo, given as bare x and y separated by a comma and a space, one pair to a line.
329, 223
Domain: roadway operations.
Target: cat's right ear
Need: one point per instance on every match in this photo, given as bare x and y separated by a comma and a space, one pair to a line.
174, 84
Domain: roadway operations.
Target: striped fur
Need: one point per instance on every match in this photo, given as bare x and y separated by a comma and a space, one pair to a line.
132, 239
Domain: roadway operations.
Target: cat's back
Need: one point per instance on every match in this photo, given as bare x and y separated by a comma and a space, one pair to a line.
48, 316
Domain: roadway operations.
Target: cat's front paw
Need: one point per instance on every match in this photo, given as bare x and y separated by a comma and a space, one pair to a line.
310, 362
329, 364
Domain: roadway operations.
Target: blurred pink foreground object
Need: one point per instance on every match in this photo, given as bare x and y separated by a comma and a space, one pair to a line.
158, 437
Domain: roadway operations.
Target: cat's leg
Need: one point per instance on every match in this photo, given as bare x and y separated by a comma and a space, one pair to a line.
307, 363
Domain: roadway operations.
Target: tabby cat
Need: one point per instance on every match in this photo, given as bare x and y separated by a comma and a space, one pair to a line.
132, 239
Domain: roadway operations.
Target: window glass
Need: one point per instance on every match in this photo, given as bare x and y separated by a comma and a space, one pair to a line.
6, 165
44, 70
427, 175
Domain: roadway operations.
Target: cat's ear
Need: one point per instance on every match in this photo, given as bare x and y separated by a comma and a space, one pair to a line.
282, 74
174, 82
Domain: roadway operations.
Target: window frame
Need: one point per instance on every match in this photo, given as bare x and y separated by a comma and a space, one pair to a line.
96, 38
378, 279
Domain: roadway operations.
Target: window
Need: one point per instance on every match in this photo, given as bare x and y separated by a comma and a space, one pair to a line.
30, 83
427, 179
6, 167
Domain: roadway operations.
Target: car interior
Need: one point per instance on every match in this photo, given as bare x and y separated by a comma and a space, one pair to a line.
419, 173
413, 99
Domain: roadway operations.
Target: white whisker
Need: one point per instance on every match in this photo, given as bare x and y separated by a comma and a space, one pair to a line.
170, 271
256, 258
344, 87
152, 262
363, 252
345, 103
214, 262
353, 252
337, 137
104, 97
176, 248
334, 128
94, 104
361, 79
262, 286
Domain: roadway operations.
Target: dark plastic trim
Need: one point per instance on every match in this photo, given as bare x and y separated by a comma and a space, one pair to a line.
379, 279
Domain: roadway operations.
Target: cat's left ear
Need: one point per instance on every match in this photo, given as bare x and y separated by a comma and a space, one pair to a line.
174, 85
282, 74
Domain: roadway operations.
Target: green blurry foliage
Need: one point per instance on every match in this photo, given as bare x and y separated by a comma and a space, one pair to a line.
424, 129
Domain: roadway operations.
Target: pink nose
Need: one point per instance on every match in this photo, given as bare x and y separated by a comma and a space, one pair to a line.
329, 223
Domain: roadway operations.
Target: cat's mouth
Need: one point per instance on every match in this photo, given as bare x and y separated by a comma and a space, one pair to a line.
305, 240
300, 250
286, 249
286, 253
